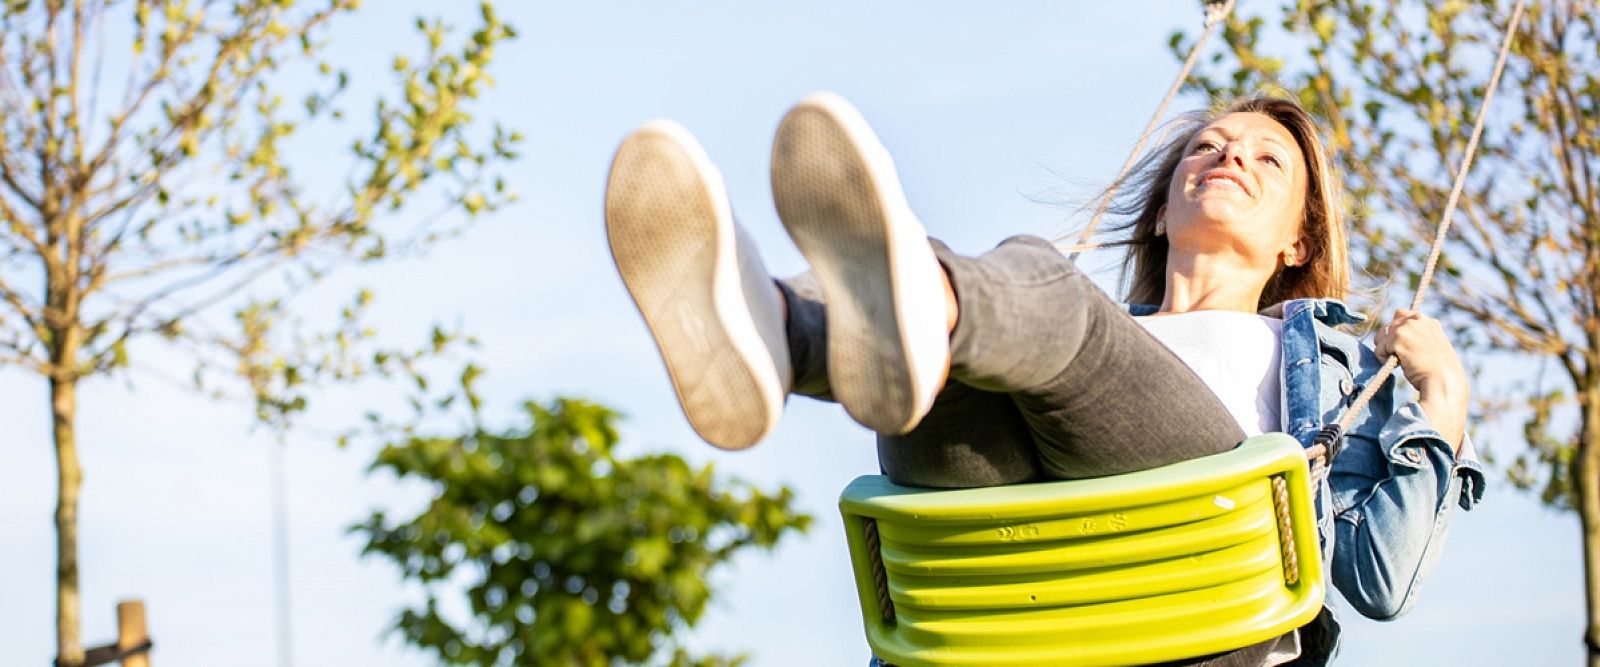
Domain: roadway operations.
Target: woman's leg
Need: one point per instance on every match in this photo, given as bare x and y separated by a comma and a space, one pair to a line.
1100, 395
969, 437
715, 316
1049, 379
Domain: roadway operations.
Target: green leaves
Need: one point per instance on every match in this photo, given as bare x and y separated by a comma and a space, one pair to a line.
426, 132
569, 554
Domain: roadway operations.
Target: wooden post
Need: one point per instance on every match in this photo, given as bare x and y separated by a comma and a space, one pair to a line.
132, 633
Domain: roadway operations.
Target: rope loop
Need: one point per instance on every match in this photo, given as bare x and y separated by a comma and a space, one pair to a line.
1280, 503
880, 577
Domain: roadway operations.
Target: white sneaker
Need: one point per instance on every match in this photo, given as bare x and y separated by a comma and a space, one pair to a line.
715, 313
837, 193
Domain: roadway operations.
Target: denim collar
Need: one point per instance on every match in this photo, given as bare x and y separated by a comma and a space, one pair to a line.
1331, 312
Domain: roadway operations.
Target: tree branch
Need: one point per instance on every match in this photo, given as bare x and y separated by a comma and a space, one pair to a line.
20, 305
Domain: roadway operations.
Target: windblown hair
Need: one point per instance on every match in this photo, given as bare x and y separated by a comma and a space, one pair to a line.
1324, 272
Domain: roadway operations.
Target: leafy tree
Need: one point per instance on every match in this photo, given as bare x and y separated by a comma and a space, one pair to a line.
569, 554
136, 206
1398, 85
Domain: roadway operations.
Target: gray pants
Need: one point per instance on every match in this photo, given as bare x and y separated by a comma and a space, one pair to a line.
1049, 379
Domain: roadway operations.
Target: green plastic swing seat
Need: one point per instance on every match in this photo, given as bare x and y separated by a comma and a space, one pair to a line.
1182, 561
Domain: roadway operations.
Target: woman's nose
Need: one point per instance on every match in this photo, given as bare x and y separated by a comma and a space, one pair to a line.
1232, 152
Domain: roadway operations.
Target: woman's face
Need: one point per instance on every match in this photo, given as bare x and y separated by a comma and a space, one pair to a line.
1240, 188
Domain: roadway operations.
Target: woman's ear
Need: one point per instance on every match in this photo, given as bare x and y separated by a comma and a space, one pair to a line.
1297, 254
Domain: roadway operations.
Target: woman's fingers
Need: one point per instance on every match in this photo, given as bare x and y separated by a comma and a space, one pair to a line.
1422, 346
1431, 365
1407, 332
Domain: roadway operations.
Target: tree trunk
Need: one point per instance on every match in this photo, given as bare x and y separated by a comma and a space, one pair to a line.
63, 414
1586, 476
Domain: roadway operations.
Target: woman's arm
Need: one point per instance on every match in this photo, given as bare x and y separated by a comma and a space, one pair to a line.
1404, 470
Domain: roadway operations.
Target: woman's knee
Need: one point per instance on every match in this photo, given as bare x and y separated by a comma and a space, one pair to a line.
1026, 260
1018, 261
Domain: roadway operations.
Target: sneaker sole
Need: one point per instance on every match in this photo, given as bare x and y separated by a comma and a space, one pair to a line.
672, 237
837, 194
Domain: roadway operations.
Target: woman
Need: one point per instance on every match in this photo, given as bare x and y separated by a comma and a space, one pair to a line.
1013, 366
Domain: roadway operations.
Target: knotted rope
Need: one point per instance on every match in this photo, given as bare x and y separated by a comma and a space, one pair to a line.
880, 577
1280, 506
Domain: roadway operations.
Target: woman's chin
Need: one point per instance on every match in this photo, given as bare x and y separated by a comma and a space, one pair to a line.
1219, 217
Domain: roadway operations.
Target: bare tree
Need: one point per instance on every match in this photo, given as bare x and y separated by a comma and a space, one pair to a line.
138, 207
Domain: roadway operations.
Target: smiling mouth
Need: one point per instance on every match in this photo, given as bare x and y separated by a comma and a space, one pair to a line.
1226, 179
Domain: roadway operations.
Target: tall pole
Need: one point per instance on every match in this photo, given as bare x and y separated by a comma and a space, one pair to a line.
132, 633
280, 551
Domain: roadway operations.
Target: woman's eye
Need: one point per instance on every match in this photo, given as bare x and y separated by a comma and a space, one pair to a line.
1205, 147
1272, 160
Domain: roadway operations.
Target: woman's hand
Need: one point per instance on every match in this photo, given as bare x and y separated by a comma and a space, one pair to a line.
1431, 365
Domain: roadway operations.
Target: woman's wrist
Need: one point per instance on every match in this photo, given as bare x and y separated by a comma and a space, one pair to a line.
1444, 386
1445, 405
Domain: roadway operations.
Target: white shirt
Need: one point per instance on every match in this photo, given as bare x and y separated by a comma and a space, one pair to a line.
1236, 354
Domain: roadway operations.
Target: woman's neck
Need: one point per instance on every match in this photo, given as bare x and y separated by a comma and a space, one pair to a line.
1211, 282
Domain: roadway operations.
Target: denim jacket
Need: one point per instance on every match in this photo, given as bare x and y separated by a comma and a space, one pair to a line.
1384, 508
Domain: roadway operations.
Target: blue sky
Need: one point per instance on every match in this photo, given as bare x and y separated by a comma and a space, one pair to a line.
999, 115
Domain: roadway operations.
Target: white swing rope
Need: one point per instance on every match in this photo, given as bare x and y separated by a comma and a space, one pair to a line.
1216, 11
1329, 438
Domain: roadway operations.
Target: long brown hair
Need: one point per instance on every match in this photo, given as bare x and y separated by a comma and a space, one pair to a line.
1324, 272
